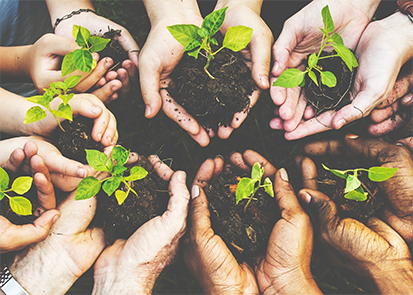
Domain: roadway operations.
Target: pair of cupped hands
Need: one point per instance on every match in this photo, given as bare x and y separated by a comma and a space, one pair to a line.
376, 249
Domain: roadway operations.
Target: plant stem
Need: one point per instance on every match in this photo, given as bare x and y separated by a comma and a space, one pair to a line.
131, 189
366, 188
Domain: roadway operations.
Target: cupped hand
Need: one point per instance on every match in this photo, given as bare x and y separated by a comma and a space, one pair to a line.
14, 237
132, 266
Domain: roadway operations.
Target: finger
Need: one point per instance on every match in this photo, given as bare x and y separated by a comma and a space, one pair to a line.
284, 44
149, 81
110, 135
106, 92
18, 237
401, 87
407, 100
60, 164
277, 124
65, 183
163, 170
124, 78
131, 69
379, 115
202, 138
128, 43
291, 124
387, 126
237, 160
285, 196
325, 148
199, 213
308, 113
309, 173
385, 231
178, 203
278, 93
15, 160
98, 72
133, 158
315, 125
288, 108
251, 157
224, 131
406, 142
219, 165
204, 173
260, 46
42, 180
241, 116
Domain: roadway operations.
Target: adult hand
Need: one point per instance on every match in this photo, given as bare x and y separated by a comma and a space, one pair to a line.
376, 43
132, 266
14, 237
286, 266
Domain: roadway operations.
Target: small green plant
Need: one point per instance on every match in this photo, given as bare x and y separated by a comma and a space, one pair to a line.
354, 187
291, 78
195, 38
60, 89
21, 185
81, 59
247, 187
90, 186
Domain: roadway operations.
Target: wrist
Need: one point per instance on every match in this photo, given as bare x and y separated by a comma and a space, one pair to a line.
397, 281
58, 9
292, 283
254, 5
369, 7
170, 12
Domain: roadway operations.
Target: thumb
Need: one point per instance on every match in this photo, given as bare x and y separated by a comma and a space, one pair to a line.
179, 200
86, 105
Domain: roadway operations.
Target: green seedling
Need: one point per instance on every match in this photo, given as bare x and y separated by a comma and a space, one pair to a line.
21, 185
81, 59
247, 187
56, 89
114, 165
291, 78
354, 187
195, 38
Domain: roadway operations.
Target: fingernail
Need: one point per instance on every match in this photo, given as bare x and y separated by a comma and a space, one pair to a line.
306, 197
264, 81
55, 218
219, 156
399, 144
276, 66
108, 63
283, 174
148, 111
115, 88
181, 176
99, 137
96, 110
109, 138
195, 191
407, 98
81, 172
352, 136
341, 123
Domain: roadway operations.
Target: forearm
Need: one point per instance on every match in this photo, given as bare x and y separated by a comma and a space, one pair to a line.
13, 64
168, 11
60, 8
254, 5
395, 281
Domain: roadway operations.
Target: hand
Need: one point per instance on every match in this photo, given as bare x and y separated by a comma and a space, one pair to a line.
375, 44
16, 237
286, 266
132, 266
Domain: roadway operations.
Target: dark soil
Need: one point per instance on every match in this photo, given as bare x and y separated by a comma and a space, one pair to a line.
246, 233
333, 186
113, 49
324, 98
121, 221
76, 138
212, 102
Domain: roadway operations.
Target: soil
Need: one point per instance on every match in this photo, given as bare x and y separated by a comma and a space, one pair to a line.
324, 98
121, 221
212, 102
113, 49
333, 186
246, 233
76, 138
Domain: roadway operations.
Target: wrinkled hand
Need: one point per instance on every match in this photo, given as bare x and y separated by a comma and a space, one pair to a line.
15, 237
132, 266
286, 266
206, 255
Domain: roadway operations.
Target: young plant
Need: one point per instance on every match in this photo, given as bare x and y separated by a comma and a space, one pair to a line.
59, 89
21, 185
247, 187
354, 187
291, 78
81, 59
90, 186
194, 38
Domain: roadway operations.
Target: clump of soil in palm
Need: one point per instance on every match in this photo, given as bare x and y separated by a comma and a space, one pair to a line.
113, 49
212, 102
76, 138
324, 98
121, 221
333, 186
246, 232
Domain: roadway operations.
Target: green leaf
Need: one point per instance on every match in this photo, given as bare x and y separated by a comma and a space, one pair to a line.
20, 205
213, 21
39, 99
34, 114
327, 19
381, 173
59, 85
185, 34
136, 173
75, 31
352, 183
66, 98
312, 60
120, 155
191, 46
98, 43
4, 180
257, 172
245, 188
22, 184
72, 81
83, 60
194, 53
111, 184
203, 33
302, 84
313, 77
328, 79
237, 38
290, 78
68, 64
337, 38
268, 187
213, 41
82, 37
87, 188
356, 195
121, 196
64, 111
346, 55
338, 173
118, 170
1, 196
97, 160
